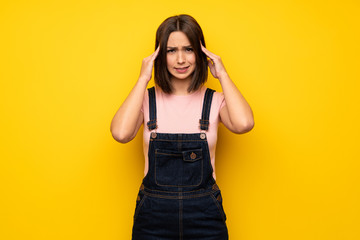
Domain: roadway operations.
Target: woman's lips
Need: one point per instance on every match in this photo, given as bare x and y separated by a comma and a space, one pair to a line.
182, 70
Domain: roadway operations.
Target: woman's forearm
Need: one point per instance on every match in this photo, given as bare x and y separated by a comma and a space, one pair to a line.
239, 111
124, 124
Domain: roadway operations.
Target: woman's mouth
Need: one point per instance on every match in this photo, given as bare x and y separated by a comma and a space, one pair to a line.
182, 70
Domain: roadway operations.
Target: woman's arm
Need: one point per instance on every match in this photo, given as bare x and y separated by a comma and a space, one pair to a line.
128, 118
236, 115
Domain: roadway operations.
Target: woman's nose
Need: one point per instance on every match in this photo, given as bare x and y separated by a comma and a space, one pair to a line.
180, 57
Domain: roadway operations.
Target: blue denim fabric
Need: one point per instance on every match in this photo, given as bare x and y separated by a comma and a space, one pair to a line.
179, 198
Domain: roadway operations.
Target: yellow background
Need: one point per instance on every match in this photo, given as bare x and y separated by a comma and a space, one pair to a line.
66, 66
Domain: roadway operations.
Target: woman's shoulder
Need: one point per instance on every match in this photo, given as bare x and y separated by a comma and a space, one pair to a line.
218, 100
217, 96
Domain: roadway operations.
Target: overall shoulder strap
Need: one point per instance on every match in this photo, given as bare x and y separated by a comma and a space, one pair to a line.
152, 109
204, 121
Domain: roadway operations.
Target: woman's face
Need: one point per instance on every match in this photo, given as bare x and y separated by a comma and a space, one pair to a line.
180, 57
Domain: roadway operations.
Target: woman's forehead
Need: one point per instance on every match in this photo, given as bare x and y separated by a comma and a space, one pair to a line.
177, 39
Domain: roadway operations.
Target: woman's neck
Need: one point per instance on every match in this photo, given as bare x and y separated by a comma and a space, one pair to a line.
180, 86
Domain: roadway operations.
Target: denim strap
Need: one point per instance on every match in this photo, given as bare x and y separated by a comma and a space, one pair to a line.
152, 109
204, 121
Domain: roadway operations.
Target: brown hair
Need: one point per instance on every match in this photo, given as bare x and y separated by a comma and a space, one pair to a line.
192, 30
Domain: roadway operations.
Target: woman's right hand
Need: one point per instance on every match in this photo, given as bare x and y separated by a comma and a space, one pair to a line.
147, 65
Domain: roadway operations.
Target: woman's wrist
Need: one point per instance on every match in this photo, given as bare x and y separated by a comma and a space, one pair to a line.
143, 79
223, 76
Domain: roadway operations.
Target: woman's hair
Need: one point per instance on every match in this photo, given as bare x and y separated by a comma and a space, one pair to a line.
192, 30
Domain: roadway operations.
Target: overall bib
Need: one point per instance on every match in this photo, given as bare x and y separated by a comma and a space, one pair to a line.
178, 197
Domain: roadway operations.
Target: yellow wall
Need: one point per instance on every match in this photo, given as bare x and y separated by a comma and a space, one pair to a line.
66, 66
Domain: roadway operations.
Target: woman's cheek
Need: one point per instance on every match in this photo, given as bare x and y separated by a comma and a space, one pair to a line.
170, 60
193, 58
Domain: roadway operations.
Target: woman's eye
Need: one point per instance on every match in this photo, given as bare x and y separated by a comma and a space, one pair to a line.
170, 50
189, 49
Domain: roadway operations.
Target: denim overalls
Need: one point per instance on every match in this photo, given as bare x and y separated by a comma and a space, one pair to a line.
178, 197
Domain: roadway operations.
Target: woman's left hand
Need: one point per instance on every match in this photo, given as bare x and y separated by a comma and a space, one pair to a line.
216, 66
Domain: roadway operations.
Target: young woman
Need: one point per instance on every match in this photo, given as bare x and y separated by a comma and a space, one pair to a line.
179, 197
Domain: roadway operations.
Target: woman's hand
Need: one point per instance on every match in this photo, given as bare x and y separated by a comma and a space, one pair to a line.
216, 66
147, 65
236, 115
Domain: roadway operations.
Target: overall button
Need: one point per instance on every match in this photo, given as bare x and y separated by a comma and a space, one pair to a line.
192, 155
202, 135
153, 134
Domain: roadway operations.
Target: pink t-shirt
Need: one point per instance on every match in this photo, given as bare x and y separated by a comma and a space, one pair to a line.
181, 114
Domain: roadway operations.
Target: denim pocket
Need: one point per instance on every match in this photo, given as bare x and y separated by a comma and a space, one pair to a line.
216, 196
178, 168
139, 203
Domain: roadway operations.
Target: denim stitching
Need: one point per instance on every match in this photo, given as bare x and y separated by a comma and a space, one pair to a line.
191, 160
168, 154
169, 140
178, 197
218, 205
139, 207
149, 189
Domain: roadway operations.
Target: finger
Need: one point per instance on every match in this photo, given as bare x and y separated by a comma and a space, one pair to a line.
155, 54
203, 48
208, 53
205, 51
157, 49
